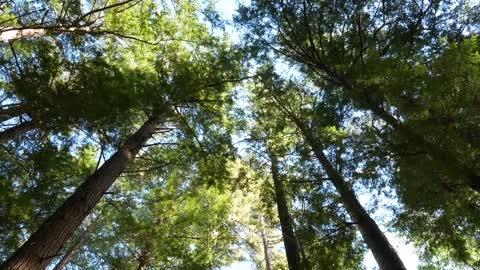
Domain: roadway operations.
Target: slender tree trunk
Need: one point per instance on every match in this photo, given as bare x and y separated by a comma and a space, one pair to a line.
384, 253
71, 252
268, 264
142, 264
144, 258
289, 239
46, 242
17, 130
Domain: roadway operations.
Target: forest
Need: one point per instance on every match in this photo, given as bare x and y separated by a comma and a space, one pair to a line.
287, 135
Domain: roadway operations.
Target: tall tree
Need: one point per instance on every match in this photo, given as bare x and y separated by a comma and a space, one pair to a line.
184, 76
47, 241
41, 18
286, 222
266, 251
271, 143
315, 232
351, 44
373, 236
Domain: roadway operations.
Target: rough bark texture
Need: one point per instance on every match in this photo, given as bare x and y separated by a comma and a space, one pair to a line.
71, 252
46, 242
17, 130
384, 253
289, 239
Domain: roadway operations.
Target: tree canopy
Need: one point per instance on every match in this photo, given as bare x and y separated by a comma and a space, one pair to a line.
141, 134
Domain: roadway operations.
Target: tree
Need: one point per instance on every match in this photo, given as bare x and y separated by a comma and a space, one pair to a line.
179, 77
74, 81
290, 240
383, 252
54, 17
282, 135
350, 45
46, 242
255, 218
136, 135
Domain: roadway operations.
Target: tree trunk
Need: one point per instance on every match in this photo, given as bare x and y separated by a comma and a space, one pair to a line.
17, 130
144, 258
268, 264
142, 264
289, 239
75, 248
46, 242
71, 252
383, 252
14, 33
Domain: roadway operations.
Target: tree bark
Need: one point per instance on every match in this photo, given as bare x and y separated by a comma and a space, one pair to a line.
17, 130
71, 252
13, 33
46, 242
268, 263
144, 258
384, 253
142, 264
289, 239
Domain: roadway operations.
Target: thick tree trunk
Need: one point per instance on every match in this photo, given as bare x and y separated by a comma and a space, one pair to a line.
268, 264
375, 239
46, 242
71, 252
75, 248
289, 239
17, 130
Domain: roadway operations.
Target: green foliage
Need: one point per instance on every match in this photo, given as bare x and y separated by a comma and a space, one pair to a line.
376, 83
33, 186
396, 66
